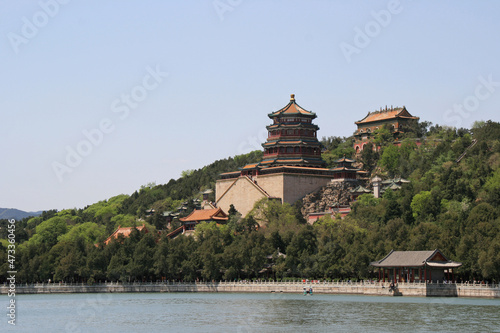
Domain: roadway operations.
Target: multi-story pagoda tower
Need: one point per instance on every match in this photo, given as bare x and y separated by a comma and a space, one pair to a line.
291, 166
292, 138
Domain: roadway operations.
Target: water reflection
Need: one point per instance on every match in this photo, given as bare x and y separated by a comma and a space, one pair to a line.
226, 312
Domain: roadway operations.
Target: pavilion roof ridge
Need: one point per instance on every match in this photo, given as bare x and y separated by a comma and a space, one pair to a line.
413, 259
204, 214
297, 109
387, 113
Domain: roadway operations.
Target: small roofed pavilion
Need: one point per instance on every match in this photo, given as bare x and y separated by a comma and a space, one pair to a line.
197, 216
344, 170
359, 190
416, 266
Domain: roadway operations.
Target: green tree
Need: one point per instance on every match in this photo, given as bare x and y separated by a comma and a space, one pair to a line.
420, 204
390, 160
48, 231
141, 265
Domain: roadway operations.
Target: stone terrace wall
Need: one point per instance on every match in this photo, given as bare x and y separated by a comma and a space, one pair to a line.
375, 289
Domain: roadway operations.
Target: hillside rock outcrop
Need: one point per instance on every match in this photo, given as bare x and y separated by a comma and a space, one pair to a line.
332, 194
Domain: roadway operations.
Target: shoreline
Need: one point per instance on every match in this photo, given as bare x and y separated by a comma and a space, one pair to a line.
340, 288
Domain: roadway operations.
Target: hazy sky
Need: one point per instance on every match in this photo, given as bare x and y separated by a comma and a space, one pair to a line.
100, 97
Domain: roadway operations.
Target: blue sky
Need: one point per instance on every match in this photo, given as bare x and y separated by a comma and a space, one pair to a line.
142, 90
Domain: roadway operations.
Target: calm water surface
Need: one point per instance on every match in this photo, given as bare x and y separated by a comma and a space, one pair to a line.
233, 312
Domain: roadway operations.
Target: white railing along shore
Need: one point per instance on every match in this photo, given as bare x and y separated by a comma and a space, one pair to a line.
262, 283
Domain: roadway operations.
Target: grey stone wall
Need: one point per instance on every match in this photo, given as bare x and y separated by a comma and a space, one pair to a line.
381, 289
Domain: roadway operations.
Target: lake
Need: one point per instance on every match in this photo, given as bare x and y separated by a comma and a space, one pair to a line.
237, 312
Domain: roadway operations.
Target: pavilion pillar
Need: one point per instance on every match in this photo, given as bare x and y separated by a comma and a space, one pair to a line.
453, 275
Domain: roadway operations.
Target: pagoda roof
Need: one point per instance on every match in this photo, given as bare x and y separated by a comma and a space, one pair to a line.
395, 180
343, 168
229, 173
170, 213
292, 108
292, 160
386, 114
292, 142
360, 189
393, 186
200, 215
285, 159
344, 159
250, 166
293, 125
297, 168
416, 259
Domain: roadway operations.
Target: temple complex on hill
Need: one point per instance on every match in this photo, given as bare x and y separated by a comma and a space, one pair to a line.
291, 166
397, 119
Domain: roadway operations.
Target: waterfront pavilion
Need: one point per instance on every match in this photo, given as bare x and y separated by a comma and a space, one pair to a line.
416, 266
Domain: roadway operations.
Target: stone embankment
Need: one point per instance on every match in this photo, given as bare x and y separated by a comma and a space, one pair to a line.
355, 288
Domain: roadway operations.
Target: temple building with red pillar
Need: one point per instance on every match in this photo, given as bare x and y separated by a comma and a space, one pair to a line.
416, 266
196, 217
291, 166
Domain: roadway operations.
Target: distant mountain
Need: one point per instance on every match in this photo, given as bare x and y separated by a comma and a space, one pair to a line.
12, 213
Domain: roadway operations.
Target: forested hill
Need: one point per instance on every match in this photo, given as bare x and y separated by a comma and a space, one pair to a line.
191, 184
124, 210
450, 205
12, 213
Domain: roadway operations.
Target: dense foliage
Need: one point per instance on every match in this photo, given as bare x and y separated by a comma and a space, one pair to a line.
448, 205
